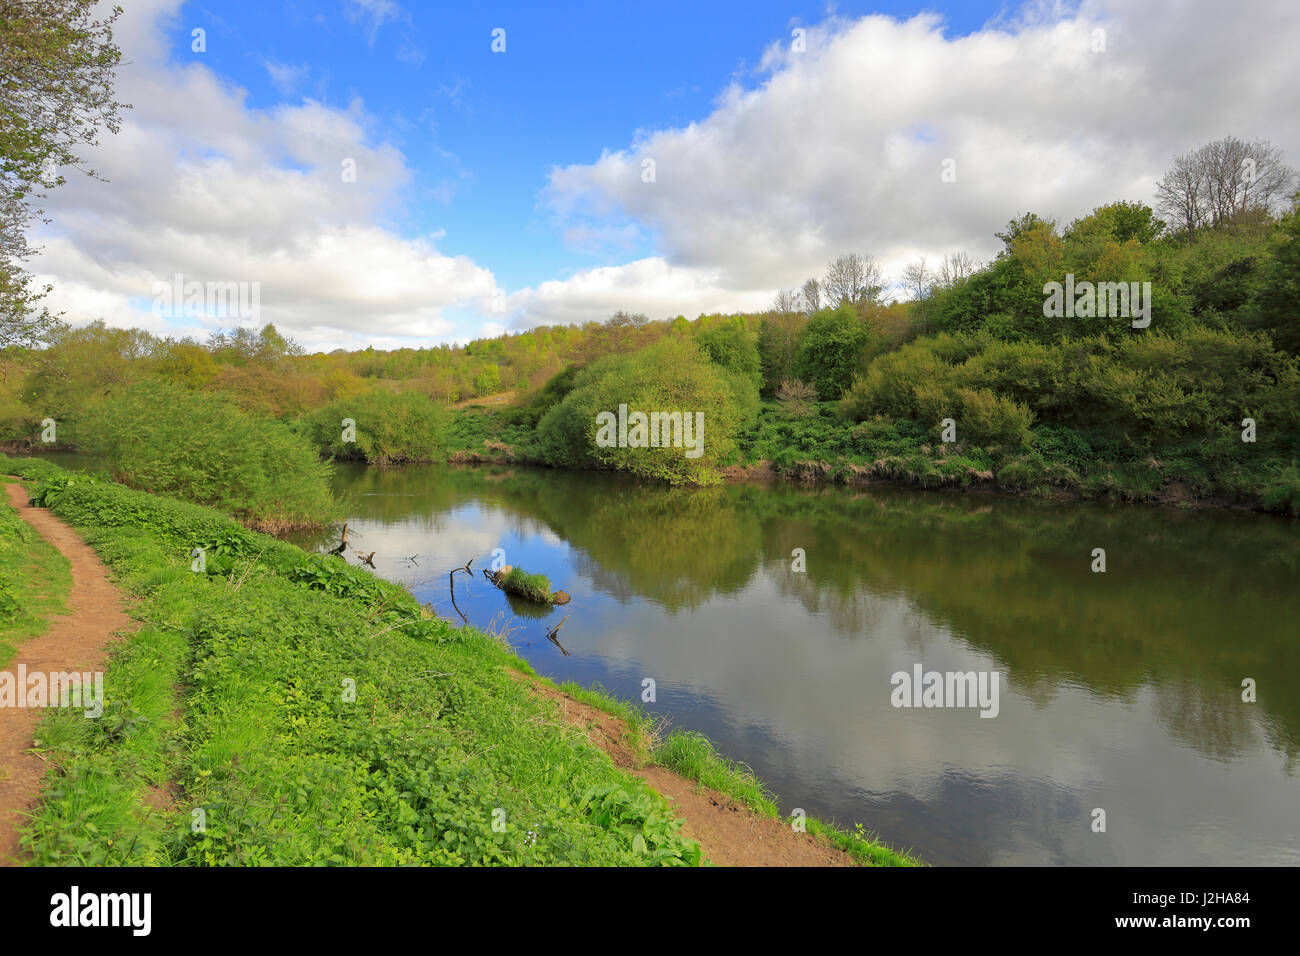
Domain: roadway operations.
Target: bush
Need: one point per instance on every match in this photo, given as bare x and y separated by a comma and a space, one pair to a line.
672, 375
830, 351
391, 427
204, 449
733, 348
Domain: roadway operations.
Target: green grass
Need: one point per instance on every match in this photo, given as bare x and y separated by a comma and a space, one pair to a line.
234, 698
306, 712
534, 587
34, 582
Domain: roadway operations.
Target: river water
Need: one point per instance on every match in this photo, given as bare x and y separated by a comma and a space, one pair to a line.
1119, 691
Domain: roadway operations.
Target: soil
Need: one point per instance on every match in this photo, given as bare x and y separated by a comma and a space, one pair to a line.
75, 641
729, 833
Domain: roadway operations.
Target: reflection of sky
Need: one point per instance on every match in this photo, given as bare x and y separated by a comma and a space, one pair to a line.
808, 707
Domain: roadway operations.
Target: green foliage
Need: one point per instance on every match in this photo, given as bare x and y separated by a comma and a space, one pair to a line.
391, 427
534, 587
232, 697
1148, 390
778, 344
734, 348
830, 351
34, 581
670, 376
203, 448
1277, 308
548, 396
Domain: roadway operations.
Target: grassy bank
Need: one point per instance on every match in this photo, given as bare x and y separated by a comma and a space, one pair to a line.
285, 708
34, 581
817, 443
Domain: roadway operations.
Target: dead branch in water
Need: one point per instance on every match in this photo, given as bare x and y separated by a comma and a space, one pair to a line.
451, 583
343, 545
550, 636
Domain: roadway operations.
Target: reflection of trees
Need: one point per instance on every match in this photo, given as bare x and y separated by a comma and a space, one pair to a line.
1213, 720
1190, 600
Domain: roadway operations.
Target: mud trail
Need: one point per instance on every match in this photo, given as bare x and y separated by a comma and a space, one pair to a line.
75, 641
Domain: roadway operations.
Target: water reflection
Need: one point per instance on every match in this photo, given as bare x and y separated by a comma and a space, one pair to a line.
1120, 690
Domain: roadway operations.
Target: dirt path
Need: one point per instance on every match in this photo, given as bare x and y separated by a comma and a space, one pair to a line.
729, 832
75, 641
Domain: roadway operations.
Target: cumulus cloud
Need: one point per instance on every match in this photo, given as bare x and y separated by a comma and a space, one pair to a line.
837, 148
201, 185
842, 147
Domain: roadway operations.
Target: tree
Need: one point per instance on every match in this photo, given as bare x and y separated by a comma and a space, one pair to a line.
852, 279
778, 340
1275, 309
830, 351
956, 267
1026, 222
56, 94
733, 348
918, 280
1119, 221
1221, 180
812, 296
787, 301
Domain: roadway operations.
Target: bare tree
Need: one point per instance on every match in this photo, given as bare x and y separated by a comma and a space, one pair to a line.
853, 279
919, 280
787, 301
1221, 180
1181, 194
812, 296
954, 268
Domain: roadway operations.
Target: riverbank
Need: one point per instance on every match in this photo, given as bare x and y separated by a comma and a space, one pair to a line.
817, 445
276, 707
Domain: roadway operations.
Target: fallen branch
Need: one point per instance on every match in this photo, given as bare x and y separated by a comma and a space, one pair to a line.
550, 635
343, 545
451, 583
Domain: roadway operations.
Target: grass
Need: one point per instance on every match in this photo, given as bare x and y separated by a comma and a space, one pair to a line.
34, 582
269, 711
534, 587
281, 708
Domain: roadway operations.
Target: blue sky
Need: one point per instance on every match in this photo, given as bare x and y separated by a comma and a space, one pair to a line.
498, 191
480, 130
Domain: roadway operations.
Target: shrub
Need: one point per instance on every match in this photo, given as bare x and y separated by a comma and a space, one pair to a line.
671, 375
204, 449
796, 397
830, 351
391, 427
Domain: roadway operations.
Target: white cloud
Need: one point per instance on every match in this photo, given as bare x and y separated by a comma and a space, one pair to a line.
651, 286
373, 14
201, 185
841, 147
838, 148
287, 77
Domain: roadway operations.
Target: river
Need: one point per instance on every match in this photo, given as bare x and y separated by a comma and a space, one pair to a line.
1119, 691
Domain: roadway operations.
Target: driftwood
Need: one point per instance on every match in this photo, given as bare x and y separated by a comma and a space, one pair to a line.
550, 636
368, 559
451, 583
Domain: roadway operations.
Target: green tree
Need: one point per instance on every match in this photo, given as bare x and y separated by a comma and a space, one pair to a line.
57, 59
830, 350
